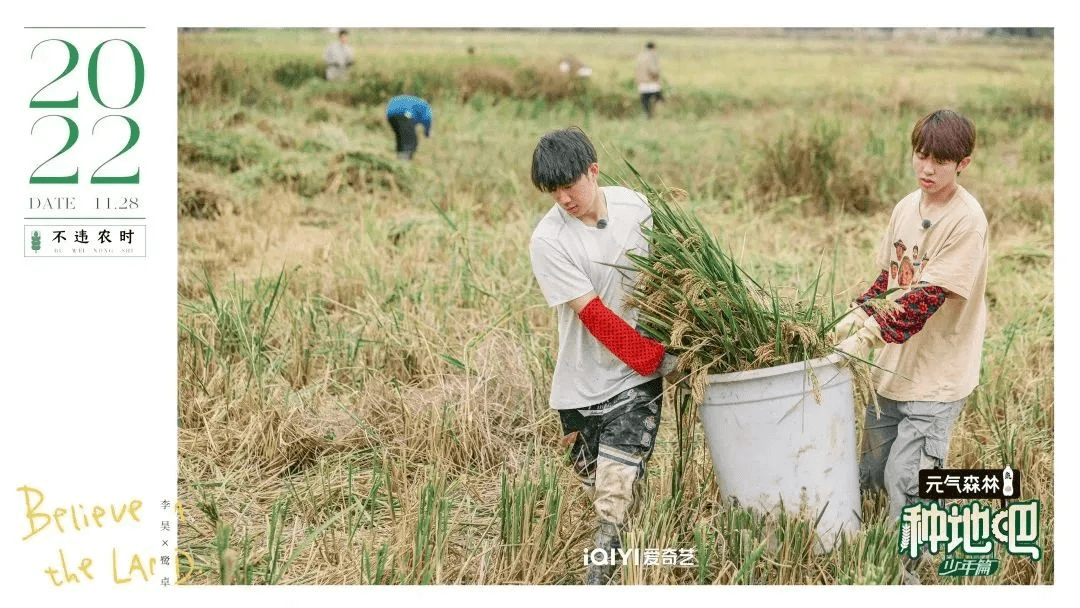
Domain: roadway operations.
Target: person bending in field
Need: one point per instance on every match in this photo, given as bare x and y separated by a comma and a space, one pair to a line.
608, 377
403, 113
930, 338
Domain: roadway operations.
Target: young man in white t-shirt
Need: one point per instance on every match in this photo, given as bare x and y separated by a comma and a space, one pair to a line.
934, 254
608, 377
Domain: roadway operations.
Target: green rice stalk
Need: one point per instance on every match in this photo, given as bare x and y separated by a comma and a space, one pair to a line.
692, 296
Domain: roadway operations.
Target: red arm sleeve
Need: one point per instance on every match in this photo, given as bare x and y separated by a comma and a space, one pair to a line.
918, 304
640, 353
879, 287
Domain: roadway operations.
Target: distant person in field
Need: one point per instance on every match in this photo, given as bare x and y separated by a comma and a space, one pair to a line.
404, 112
608, 377
338, 57
648, 78
930, 342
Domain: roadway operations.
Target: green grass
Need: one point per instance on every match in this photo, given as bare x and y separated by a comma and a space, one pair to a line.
364, 359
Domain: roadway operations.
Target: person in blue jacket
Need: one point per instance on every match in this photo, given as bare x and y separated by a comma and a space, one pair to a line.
404, 112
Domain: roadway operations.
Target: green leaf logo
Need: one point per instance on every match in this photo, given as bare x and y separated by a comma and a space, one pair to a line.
35, 241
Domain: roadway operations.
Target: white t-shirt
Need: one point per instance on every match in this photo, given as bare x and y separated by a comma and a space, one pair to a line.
941, 362
569, 260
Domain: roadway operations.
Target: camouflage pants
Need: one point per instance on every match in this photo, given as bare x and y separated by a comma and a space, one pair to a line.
612, 442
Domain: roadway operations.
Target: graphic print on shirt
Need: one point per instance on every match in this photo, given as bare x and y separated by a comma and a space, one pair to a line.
907, 272
905, 268
900, 249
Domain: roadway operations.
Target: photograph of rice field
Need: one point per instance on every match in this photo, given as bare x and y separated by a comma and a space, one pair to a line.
364, 356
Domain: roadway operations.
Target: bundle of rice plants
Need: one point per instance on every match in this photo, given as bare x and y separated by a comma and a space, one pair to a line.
693, 297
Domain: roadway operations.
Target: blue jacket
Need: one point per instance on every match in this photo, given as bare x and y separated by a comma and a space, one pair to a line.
413, 107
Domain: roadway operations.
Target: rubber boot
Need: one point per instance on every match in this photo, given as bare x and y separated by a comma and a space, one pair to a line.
606, 538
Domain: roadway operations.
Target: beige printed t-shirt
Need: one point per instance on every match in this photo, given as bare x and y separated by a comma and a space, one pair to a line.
941, 362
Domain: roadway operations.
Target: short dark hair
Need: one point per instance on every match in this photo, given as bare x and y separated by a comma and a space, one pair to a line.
945, 135
560, 158
650, 45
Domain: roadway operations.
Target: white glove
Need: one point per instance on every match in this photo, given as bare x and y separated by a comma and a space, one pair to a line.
667, 364
867, 338
852, 320
668, 369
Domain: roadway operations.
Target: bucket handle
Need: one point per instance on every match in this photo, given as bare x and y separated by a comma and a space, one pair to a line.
796, 405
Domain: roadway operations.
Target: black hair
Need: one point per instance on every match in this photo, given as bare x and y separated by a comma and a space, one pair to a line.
650, 45
945, 135
560, 158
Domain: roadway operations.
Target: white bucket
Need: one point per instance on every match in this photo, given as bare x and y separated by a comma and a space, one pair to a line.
774, 444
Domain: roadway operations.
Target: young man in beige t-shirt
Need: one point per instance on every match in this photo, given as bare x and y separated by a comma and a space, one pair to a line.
934, 257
